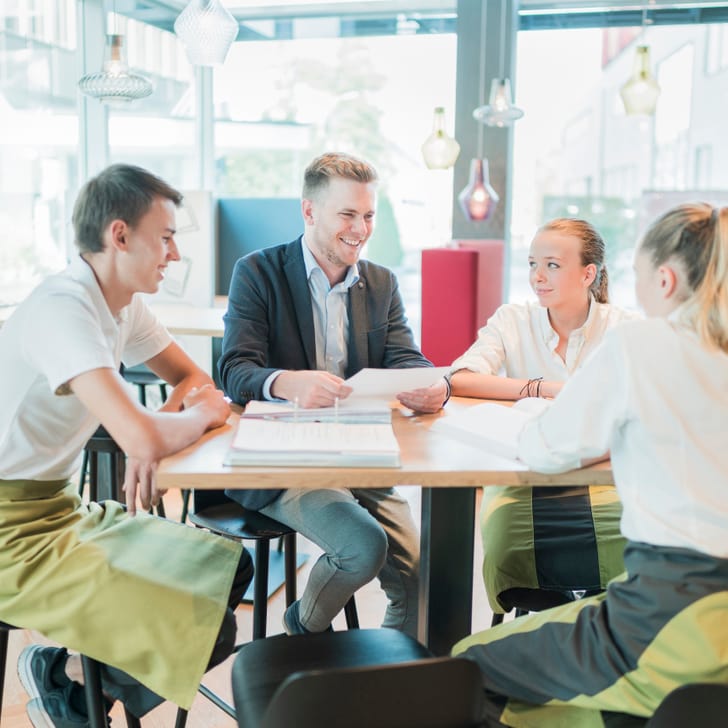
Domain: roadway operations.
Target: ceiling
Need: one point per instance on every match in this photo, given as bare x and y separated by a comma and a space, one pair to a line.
381, 16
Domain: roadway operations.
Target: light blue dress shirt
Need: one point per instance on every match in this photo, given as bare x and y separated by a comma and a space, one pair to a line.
330, 318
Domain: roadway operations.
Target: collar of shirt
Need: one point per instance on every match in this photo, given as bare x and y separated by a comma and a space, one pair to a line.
582, 334
352, 275
82, 272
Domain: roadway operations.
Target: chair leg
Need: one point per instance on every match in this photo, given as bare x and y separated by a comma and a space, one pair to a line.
352, 618
497, 619
521, 612
93, 477
289, 556
94, 694
163, 392
142, 394
185, 505
260, 588
181, 720
3, 662
131, 720
84, 473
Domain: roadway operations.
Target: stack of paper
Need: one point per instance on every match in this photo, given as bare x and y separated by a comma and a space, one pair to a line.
493, 427
302, 442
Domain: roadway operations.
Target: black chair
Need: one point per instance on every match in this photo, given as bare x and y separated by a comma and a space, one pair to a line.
356, 678
214, 511
142, 377
102, 454
525, 601
704, 705
92, 685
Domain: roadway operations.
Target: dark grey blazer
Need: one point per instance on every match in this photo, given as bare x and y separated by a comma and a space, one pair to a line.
269, 326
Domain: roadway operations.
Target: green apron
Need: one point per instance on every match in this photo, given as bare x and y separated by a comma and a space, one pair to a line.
142, 594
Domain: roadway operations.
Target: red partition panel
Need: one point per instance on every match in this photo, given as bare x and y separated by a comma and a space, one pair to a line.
461, 287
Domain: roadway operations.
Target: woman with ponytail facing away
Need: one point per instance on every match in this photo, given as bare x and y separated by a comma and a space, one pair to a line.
655, 396
542, 544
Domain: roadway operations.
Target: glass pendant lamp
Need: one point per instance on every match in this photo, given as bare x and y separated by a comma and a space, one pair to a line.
440, 150
500, 110
115, 84
639, 94
478, 199
207, 30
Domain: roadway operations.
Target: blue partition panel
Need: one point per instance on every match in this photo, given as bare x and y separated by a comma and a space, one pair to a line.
245, 224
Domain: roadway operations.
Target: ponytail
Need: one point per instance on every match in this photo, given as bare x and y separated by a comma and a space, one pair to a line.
696, 235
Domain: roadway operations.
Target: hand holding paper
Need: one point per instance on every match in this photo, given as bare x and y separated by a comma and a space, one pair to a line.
388, 383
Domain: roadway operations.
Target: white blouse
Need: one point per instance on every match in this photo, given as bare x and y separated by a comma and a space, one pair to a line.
658, 400
518, 341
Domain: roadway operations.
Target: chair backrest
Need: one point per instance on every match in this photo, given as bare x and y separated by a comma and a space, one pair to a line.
204, 498
431, 693
701, 704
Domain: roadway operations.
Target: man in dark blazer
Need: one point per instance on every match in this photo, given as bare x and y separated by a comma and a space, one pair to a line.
301, 318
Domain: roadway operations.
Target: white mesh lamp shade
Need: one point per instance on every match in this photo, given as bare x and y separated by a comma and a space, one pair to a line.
115, 84
478, 199
439, 150
207, 30
499, 110
639, 94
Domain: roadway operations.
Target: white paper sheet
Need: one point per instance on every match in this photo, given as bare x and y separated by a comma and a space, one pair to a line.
386, 384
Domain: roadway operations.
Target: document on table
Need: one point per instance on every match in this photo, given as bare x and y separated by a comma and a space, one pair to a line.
310, 443
493, 427
386, 384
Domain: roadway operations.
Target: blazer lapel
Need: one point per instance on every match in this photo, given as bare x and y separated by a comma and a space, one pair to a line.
295, 272
358, 327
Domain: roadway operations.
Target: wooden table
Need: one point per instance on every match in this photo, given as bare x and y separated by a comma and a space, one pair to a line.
177, 318
448, 471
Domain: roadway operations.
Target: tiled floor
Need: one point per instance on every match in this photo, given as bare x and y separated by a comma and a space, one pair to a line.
370, 605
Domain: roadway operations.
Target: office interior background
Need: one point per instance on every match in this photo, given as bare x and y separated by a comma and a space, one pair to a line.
365, 77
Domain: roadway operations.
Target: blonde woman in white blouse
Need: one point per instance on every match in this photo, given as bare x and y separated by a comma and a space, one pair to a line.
656, 397
542, 544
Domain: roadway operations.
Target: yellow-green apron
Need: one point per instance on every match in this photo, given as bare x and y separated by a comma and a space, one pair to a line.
142, 594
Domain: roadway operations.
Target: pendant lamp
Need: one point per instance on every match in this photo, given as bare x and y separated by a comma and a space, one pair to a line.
207, 30
440, 150
115, 84
500, 110
639, 94
478, 199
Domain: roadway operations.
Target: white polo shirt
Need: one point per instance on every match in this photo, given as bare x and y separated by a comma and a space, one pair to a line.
63, 328
658, 400
518, 341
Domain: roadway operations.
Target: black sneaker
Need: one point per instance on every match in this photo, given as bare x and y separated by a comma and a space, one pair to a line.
55, 710
36, 669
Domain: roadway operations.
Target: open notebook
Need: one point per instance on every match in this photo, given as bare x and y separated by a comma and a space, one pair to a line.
269, 437
493, 427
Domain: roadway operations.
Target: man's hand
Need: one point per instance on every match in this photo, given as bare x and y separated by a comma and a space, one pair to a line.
426, 399
211, 400
141, 480
310, 389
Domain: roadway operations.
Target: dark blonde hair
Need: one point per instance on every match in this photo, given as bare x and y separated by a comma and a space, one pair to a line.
592, 251
335, 164
696, 236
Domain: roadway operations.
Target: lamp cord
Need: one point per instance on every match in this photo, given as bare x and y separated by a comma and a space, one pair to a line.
504, 7
483, 26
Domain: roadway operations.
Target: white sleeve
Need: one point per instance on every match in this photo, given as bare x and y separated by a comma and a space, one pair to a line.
66, 339
488, 353
584, 416
146, 335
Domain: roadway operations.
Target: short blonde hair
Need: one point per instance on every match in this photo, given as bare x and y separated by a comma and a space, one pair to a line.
335, 164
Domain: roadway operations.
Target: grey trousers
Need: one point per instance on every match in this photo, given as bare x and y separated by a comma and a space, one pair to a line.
364, 533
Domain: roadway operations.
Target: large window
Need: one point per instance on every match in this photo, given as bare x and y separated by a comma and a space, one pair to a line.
576, 152
38, 143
